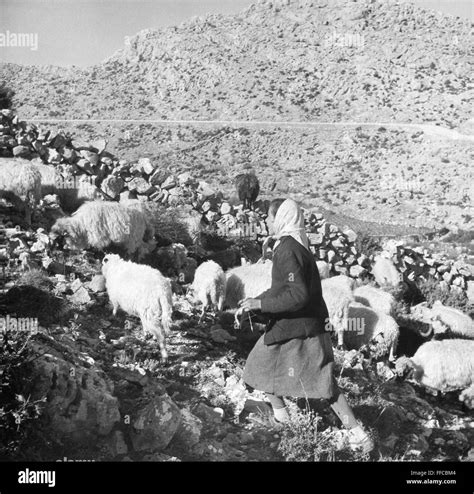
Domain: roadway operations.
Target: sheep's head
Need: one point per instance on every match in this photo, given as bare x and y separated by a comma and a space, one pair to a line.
108, 261
73, 238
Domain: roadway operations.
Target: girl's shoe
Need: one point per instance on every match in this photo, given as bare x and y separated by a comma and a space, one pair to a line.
359, 440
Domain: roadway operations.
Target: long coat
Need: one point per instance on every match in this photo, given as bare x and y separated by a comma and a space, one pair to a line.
294, 357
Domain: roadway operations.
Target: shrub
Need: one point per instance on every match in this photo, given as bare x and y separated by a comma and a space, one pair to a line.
432, 291
302, 439
17, 412
367, 245
6, 97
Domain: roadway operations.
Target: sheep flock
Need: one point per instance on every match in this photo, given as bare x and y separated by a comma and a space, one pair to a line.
362, 317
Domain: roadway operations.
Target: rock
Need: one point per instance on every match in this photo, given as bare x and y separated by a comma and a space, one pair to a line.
117, 444
155, 424
140, 185
112, 186
356, 271
226, 208
205, 190
21, 151
145, 165
189, 430
221, 336
470, 291
80, 401
169, 183
324, 269
81, 295
207, 414
351, 235
186, 179
97, 284
91, 157
55, 267
315, 238
159, 177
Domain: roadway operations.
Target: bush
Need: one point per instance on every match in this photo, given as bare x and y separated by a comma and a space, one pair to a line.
367, 245
301, 439
17, 412
432, 291
6, 97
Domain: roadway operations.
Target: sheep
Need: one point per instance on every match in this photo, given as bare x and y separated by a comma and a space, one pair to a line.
441, 365
141, 291
100, 224
209, 286
385, 272
20, 183
371, 327
444, 320
248, 187
376, 298
337, 294
247, 281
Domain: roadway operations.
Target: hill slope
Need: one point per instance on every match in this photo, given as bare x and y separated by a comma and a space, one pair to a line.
298, 60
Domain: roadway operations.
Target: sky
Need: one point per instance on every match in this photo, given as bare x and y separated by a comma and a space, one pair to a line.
85, 32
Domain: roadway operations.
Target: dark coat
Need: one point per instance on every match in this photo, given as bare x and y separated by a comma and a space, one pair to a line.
294, 304
294, 357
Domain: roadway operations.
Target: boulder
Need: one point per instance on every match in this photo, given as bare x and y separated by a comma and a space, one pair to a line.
155, 424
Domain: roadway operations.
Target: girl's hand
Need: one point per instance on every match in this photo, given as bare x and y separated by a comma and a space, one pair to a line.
251, 304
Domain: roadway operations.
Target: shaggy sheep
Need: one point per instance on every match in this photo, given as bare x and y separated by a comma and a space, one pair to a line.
368, 326
337, 293
140, 291
444, 320
100, 224
376, 298
247, 281
385, 272
209, 286
248, 187
20, 183
441, 365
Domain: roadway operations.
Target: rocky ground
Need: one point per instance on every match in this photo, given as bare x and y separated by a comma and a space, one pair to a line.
108, 396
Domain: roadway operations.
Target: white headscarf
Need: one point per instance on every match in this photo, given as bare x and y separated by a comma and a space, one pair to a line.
289, 220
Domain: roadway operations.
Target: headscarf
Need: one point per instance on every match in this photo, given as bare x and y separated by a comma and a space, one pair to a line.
289, 220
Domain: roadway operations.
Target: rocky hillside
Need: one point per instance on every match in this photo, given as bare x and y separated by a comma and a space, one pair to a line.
277, 60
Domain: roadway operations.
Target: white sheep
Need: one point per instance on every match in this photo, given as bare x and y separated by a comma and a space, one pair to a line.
247, 281
441, 365
140, 291
444, 320
100, 224
209, 286
337, 294
385, 272
20, 183
376, 298
368, 326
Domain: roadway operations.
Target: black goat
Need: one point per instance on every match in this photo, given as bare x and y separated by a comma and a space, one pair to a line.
248, 187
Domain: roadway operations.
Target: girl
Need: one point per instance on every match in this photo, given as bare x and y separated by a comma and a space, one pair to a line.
294, 357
